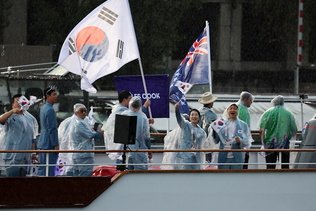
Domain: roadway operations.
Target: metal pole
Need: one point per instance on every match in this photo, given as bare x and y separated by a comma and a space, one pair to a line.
300, 44
302, 119
296, 80
47, 165
144, 84
209, 56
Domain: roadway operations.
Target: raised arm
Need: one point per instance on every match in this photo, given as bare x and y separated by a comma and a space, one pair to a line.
4, 117
180, 119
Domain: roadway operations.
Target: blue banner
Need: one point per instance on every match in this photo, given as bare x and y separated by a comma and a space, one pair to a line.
157, 88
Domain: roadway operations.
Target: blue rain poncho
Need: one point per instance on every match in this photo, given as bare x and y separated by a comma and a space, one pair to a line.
226, 130
76, 134
192, 137
109, 133
207, 117
64, 161
171, 142
18, 133
142, 135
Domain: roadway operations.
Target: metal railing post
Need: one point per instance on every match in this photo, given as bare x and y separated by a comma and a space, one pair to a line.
47, 164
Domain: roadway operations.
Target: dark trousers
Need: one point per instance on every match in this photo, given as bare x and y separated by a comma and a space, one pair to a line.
15, 171
246, 160
273, 157
208, 157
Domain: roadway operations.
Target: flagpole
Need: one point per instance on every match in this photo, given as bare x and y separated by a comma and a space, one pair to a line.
144, 84
209, 56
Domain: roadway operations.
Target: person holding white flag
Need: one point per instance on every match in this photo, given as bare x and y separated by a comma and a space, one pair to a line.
101, 43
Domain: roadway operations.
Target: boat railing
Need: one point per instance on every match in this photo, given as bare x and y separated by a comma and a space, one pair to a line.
157, 164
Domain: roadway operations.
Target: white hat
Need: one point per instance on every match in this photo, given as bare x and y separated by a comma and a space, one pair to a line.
79, 106
207, 98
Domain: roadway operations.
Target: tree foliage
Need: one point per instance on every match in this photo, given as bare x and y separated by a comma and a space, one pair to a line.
273, 26
268, 26
4, 13
159, 25
165, 29
50, 21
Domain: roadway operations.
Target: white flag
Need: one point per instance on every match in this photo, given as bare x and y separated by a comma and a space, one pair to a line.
101, 43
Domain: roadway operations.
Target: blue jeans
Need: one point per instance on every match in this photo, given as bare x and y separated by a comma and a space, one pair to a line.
191, 159
85, 170
230, 160
135, 167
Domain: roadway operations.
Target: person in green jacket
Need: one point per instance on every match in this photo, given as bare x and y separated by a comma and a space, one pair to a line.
277, 127
244, 102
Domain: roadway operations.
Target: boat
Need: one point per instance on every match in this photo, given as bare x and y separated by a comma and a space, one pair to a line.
289, 190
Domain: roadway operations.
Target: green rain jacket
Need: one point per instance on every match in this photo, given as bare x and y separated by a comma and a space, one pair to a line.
279, 126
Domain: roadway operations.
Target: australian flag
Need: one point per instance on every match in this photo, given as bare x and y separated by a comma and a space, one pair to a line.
192, 70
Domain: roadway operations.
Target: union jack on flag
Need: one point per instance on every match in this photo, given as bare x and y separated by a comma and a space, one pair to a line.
198, 48
193, 69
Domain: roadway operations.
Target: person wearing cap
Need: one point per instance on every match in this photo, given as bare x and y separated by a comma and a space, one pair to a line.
277, 127
19, 134
142, 140
49, 135
231, 133
244, 102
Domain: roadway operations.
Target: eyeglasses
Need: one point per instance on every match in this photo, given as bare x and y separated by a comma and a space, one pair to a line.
83, 110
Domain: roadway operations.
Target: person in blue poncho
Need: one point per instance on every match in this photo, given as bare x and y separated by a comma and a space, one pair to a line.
124, 98
192, 137
231, 133
76, 133
20, 133
142, 135
82, 137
